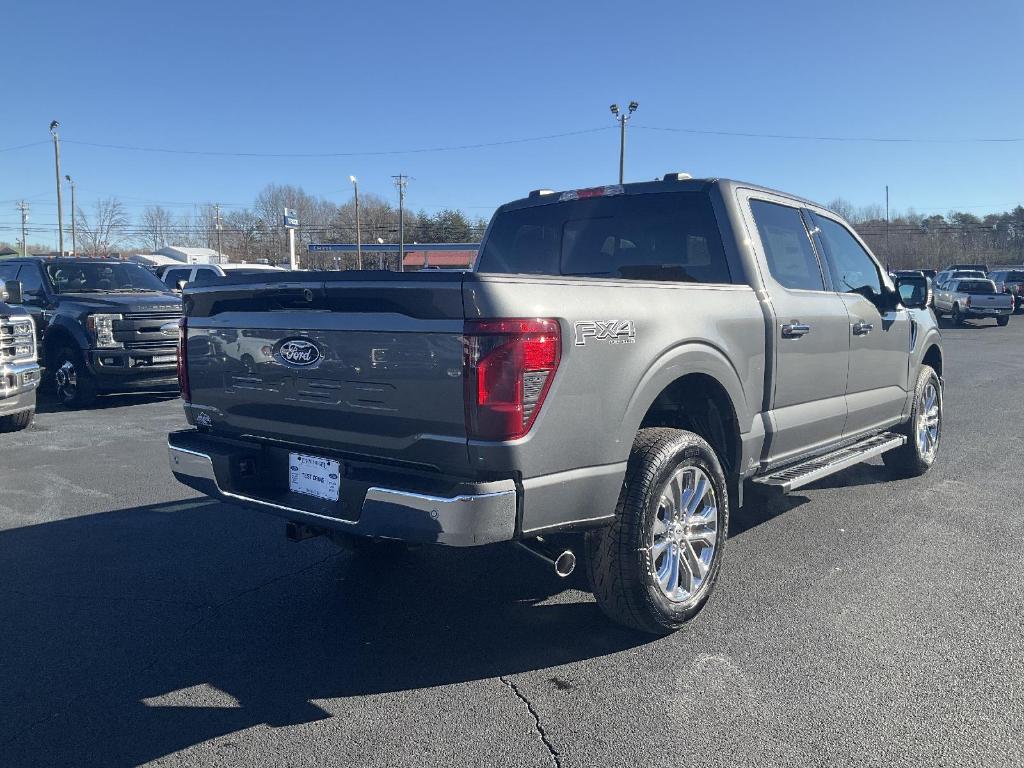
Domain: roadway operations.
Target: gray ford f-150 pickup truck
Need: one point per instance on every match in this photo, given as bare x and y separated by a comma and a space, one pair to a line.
620, 361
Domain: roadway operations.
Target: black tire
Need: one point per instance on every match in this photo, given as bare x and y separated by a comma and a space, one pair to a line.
16, 422
619, 564
79, 393
1003, 321
910, 460
957, 316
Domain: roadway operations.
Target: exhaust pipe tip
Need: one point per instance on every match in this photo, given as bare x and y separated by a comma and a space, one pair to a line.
565, 564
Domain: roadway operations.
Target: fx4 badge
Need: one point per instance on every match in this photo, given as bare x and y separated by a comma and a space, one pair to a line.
612, 331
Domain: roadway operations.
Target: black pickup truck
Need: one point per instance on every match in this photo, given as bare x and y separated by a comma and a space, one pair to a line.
104, 325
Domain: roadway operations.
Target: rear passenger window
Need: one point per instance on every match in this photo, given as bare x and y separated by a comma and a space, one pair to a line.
205, 276
172, 276
669, 236
787, 247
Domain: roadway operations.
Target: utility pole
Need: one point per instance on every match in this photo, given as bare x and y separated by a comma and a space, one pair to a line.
54, 125
74, 247
359, 233
622, 118
401, 181
23, 207
220, 252
888, 253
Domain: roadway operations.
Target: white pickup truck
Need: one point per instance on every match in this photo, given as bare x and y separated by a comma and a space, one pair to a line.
972, 298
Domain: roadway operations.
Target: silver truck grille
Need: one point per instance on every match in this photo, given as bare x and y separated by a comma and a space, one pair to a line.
17, 339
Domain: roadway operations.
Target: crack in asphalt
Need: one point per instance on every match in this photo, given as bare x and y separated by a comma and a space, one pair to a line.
556, 757
207, 611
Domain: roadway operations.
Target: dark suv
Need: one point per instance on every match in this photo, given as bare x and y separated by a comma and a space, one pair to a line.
104, 325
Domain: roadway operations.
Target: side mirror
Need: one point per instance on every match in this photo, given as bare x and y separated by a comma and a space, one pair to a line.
914, 291
182, 284
10, 292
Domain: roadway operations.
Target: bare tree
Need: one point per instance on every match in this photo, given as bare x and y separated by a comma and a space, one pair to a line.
101, 233
157, 227
844, 208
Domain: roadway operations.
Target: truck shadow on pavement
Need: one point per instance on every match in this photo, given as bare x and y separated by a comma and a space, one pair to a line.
48, 403
132, 634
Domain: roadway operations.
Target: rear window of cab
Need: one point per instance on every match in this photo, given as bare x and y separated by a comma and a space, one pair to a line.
664, 236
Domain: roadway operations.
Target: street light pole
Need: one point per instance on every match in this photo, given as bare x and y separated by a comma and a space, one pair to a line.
74, 247
622, 118
888, 253
359, 233
54, 125
23, 207
401, 180
220, 251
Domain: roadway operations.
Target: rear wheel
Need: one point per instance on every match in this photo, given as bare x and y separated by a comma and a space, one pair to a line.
74, 385
923, 431
16, 421
654, 567
958, 318
1003, 321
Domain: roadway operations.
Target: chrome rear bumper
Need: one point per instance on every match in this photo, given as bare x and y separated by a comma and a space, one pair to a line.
463, 520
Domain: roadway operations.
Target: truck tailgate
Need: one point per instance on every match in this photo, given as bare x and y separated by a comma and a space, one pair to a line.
991, 300
369, 364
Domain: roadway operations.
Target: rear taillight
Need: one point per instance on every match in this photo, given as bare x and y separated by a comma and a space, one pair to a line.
183, 385
509, 367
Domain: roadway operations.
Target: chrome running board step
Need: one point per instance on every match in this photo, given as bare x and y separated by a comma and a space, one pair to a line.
798, 475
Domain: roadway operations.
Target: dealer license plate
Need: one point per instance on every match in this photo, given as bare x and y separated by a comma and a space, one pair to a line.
314, 476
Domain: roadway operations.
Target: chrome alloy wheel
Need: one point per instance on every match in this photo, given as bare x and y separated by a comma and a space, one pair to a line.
67, 381
685, 531
929, 426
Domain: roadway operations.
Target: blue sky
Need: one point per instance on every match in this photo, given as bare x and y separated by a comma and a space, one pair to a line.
334, 77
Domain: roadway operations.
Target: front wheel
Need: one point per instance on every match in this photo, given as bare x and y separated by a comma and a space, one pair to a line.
16, 422
654, 567
923, 431
75, 386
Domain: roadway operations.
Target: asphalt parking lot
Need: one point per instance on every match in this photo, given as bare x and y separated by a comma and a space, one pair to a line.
858, 622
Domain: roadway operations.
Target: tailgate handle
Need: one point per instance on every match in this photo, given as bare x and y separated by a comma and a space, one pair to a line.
294, 294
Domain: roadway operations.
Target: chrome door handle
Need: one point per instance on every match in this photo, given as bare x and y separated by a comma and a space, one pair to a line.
795, 330
860, 328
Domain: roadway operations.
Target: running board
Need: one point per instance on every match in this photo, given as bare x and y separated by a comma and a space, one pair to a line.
799, 475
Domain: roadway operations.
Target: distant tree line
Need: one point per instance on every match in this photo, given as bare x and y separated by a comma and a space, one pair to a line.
909, 239
252, 234
912, 240
257, 233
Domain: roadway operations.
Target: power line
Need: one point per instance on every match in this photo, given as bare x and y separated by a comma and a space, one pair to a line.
809, 137
372, 153
25, 146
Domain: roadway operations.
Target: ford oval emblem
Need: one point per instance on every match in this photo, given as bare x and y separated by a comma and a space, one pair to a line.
297, 352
